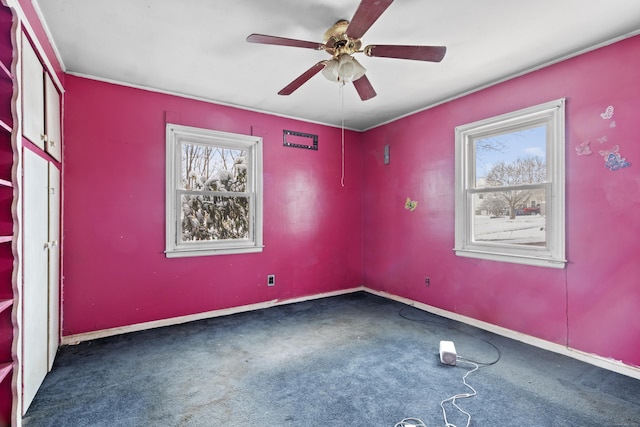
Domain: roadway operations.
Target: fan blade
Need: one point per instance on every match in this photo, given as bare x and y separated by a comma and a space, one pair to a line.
418, 53
282, 41
368, 12
364, 88
302, 79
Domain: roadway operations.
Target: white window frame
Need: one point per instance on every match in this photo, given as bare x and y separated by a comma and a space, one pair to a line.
551, 114
176, 135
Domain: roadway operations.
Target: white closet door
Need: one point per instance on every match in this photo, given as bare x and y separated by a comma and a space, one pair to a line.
32, 95
35, 309
54, 262
52, 122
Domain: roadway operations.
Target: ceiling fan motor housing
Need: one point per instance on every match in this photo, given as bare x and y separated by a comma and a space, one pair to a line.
337, 42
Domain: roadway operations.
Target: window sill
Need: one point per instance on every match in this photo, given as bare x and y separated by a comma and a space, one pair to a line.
183, 253
512, 258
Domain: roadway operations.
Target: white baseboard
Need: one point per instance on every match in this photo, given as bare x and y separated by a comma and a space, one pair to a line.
103, 333
593, 359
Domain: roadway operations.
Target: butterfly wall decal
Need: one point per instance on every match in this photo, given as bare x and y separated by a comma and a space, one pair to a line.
612, 159
613, 150
615, 162
411, 204
608, 113
584, 149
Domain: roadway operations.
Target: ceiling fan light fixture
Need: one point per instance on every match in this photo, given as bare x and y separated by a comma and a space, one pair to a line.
343, 69
330, 70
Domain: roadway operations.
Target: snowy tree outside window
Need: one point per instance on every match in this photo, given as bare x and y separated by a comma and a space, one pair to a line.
510, 187
214, 186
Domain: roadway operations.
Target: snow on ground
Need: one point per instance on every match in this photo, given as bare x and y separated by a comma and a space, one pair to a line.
524, 229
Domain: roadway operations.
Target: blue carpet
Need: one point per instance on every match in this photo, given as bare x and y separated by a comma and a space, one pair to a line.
352, 360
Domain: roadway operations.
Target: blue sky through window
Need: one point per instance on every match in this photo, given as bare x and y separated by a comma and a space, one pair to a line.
509, 147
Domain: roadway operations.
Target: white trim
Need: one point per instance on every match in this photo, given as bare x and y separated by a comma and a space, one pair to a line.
233, 250
207, 100
175, 136
549, 62
103, 333
26, 27
552, 116
511, 76
514, 258
592, 359
47, 31
478, 88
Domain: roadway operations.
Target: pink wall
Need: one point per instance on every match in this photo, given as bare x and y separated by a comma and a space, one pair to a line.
115, 271
591, 305
321, 237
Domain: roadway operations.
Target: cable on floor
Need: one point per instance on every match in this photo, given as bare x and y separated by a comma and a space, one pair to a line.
416, 422
453, 398
410, 422
430, 322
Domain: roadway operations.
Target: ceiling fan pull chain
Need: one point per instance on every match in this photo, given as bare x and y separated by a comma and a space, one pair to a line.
342, 116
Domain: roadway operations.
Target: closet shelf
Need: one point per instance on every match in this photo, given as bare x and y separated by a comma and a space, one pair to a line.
5, 369
5, 304
5, 183
4, 125
5, 239
5, 71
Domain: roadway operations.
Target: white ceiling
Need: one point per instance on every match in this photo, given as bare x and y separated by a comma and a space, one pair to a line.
197, 48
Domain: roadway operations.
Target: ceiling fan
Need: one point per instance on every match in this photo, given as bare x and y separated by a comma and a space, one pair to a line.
341, 41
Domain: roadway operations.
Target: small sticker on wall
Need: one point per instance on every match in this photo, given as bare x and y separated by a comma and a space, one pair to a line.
612, 159
608, 113
584, 149
411, 204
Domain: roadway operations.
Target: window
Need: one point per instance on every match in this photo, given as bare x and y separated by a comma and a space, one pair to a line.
510, 187
214, 192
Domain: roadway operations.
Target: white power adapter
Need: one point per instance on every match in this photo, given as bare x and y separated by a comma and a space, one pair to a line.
448, 354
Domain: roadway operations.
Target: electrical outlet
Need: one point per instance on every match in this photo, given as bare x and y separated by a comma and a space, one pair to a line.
271, 280
427, 281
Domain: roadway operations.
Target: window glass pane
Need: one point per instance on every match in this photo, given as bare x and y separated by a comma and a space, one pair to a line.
511, 158
208, 217
510, 187
213, 192
211, 168
510, 217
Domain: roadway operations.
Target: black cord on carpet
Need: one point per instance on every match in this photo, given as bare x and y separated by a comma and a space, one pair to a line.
442, 325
